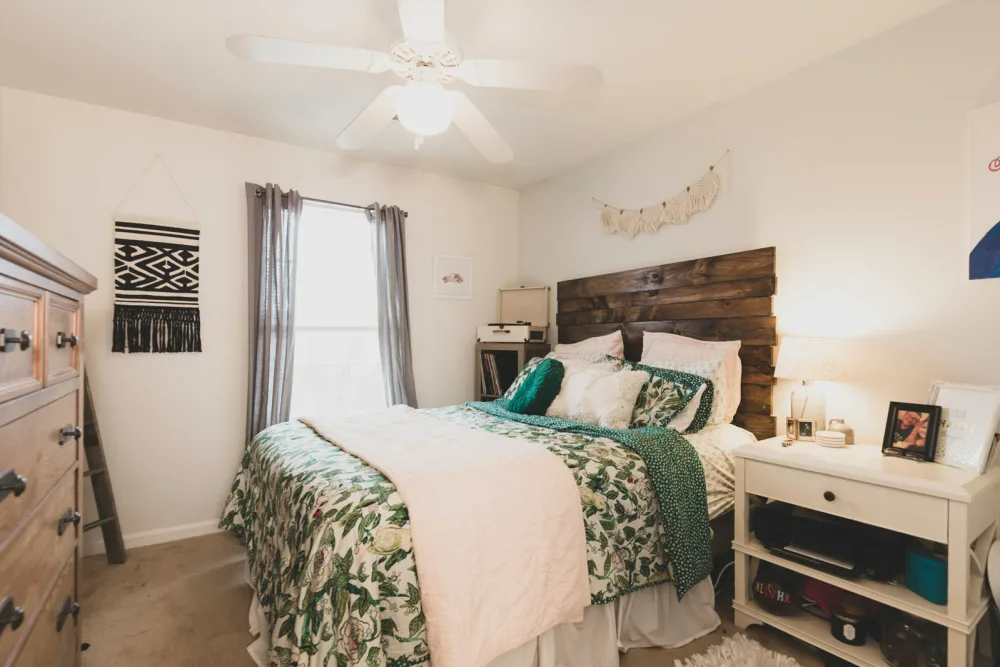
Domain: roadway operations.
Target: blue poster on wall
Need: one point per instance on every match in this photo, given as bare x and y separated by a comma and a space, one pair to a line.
984, 260
984, 191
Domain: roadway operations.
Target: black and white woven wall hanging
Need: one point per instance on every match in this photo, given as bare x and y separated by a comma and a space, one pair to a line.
156, 287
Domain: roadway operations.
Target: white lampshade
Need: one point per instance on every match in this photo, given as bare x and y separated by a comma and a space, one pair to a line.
810, 359
424, 108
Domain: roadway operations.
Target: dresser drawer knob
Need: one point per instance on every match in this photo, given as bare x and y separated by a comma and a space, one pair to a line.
68, 517
829, 496
69, 608
11, 482
62, 338
10, 614
11, 337
69, 432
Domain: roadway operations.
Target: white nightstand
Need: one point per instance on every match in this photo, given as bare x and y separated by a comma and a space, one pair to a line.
927, 500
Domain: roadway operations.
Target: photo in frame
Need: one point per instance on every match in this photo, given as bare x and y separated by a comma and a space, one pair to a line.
791, 428
452, 277
911, 430
969, 420
806, 430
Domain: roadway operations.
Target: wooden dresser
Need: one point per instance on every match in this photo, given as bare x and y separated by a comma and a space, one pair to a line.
41, 474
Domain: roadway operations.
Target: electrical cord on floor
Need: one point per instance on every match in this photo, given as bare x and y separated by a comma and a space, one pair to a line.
715, 584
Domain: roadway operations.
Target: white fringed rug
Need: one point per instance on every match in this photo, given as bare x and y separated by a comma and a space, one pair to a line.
738, 651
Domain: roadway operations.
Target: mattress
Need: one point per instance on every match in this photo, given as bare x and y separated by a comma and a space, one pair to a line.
328, 536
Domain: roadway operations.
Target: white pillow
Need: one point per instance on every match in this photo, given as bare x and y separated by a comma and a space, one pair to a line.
713, 370
612, 344
665, 345
598, 394
584, 359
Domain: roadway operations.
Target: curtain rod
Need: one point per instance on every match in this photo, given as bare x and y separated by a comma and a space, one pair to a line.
259, 192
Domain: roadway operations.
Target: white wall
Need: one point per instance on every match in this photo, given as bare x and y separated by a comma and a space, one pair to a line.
856, 169
173, 424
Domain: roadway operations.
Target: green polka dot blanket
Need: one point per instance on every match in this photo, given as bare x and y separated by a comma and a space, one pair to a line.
678, 481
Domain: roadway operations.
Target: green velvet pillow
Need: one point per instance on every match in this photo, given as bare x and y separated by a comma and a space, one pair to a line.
539, 389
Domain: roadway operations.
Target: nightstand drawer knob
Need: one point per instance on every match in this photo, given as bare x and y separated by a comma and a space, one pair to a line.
829, 496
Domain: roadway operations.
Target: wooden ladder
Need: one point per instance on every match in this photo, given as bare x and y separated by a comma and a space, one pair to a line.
97, 471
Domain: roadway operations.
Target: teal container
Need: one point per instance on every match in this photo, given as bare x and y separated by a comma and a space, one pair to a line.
927, 575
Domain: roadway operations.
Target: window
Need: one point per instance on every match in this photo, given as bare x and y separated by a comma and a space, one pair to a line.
337, 366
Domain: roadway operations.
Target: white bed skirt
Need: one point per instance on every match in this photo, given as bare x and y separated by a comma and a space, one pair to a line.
649, 617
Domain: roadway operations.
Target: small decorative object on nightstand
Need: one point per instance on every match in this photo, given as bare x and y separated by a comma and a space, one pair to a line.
838, 426
957, 509
809, 360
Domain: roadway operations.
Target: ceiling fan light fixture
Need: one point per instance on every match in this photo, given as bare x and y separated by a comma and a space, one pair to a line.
424, 108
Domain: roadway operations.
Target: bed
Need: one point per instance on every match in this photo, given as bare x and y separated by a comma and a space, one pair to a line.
357, 600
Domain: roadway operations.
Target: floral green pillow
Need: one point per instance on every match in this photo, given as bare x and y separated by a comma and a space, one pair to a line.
537, 392
666, 396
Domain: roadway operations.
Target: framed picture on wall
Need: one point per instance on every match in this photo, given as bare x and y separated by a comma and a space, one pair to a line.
452, 277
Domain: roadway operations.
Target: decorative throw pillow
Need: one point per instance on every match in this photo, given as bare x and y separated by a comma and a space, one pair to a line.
665, 396
613, 344
537, 392
664, 345
581, 359
713, 371
598, 394
522, 376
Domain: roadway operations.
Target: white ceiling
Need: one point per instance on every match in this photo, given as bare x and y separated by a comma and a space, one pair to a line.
661, 60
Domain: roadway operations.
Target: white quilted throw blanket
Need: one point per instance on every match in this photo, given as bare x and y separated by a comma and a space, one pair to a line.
496, 523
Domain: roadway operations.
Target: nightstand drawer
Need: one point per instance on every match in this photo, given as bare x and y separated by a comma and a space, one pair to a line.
902, 511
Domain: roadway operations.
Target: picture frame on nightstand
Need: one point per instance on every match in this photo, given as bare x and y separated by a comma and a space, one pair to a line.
791, 428
806, 430
969, 421
911, 430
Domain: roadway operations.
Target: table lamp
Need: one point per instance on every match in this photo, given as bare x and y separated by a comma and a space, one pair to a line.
810, 360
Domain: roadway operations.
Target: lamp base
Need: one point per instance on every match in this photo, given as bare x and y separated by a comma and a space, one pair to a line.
809, 403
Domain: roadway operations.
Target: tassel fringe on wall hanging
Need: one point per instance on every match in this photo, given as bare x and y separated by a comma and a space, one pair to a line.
695, 198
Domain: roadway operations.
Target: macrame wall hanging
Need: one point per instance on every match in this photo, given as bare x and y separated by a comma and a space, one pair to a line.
695, 198
156, 279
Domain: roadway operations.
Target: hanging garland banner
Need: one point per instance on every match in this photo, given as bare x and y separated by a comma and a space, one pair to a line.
695, 198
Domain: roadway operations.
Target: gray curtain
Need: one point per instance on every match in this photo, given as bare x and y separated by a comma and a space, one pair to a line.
272, 231
388, 247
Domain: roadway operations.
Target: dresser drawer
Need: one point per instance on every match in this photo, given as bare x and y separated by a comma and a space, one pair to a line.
33, 558
30, 446
902, 511
53, 634
20, 363
62, 340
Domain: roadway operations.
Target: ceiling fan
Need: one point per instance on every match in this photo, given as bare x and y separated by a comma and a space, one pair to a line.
426, 62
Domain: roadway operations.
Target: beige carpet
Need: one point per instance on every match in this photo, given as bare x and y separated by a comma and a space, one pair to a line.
185, 604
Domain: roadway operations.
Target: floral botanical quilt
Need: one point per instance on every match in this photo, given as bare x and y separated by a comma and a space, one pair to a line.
329, 548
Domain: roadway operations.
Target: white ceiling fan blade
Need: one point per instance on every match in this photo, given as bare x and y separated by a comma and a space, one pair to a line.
529, 75
423, 20
479, 130
290, 52
372, 120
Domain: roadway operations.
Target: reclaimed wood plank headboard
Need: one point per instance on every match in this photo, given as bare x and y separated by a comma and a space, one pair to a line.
726, 297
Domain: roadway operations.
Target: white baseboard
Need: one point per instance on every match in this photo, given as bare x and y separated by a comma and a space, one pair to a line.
93, 543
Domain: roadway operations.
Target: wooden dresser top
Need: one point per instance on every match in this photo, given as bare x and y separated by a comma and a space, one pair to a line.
21, 247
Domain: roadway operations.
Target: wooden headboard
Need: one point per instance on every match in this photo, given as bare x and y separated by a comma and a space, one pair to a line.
727, 297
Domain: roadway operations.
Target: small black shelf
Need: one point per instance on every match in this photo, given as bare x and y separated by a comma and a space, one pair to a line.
500, 363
